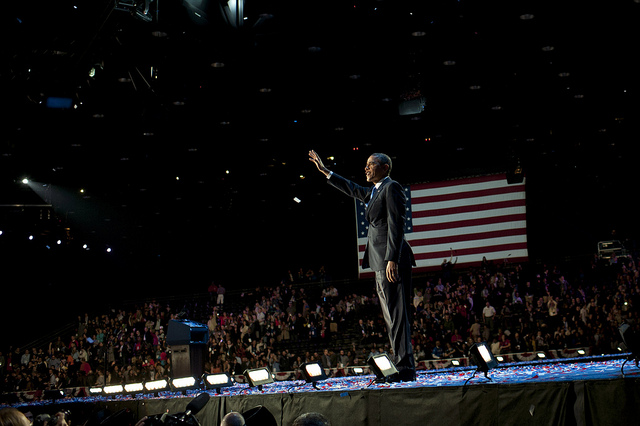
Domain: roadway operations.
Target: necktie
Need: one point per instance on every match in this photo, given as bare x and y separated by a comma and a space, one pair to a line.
373, 191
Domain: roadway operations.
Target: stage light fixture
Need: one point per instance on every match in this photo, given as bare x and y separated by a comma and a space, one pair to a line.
482, 357
133, 388
258, 377
218, 381
313, 372
382, 366
630, 340
53, 394
184, 383
541, 355
113, 389
156, 385
95, 390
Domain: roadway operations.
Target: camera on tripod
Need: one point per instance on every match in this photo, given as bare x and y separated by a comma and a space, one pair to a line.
61, 417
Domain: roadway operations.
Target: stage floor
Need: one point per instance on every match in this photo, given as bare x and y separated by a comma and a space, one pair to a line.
585, 391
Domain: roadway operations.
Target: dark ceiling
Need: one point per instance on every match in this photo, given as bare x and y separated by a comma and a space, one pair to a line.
191, 135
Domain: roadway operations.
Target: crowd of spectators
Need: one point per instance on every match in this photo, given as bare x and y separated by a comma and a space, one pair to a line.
307, 317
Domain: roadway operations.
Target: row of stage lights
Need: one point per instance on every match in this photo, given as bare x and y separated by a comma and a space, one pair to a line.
312, 372
257, 377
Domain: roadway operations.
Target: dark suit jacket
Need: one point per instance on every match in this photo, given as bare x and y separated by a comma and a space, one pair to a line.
386, 214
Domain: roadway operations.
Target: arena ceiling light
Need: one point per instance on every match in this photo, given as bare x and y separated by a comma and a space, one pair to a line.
258, 377
313, 372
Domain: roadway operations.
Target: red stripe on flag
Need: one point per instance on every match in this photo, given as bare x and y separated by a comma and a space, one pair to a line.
475, 250
467, 194
469, 222
468, 237
468, 209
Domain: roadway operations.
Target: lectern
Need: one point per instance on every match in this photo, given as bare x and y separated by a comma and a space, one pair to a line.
188, 341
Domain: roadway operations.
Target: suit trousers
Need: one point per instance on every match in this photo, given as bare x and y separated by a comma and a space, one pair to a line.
394, 299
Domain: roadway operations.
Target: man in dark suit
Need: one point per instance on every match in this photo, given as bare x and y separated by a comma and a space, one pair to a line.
387, 252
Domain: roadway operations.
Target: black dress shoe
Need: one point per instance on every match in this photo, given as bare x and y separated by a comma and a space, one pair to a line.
393, 378
407, 375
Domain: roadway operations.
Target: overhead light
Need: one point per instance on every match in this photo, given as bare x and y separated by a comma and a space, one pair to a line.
382, 366
25, 181
313, 372
258, 377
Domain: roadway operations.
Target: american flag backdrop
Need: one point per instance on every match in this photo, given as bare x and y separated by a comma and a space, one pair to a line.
470, 218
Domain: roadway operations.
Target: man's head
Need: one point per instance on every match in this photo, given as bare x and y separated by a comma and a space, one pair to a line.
13, 417
311, 419
233, 419
378, 167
